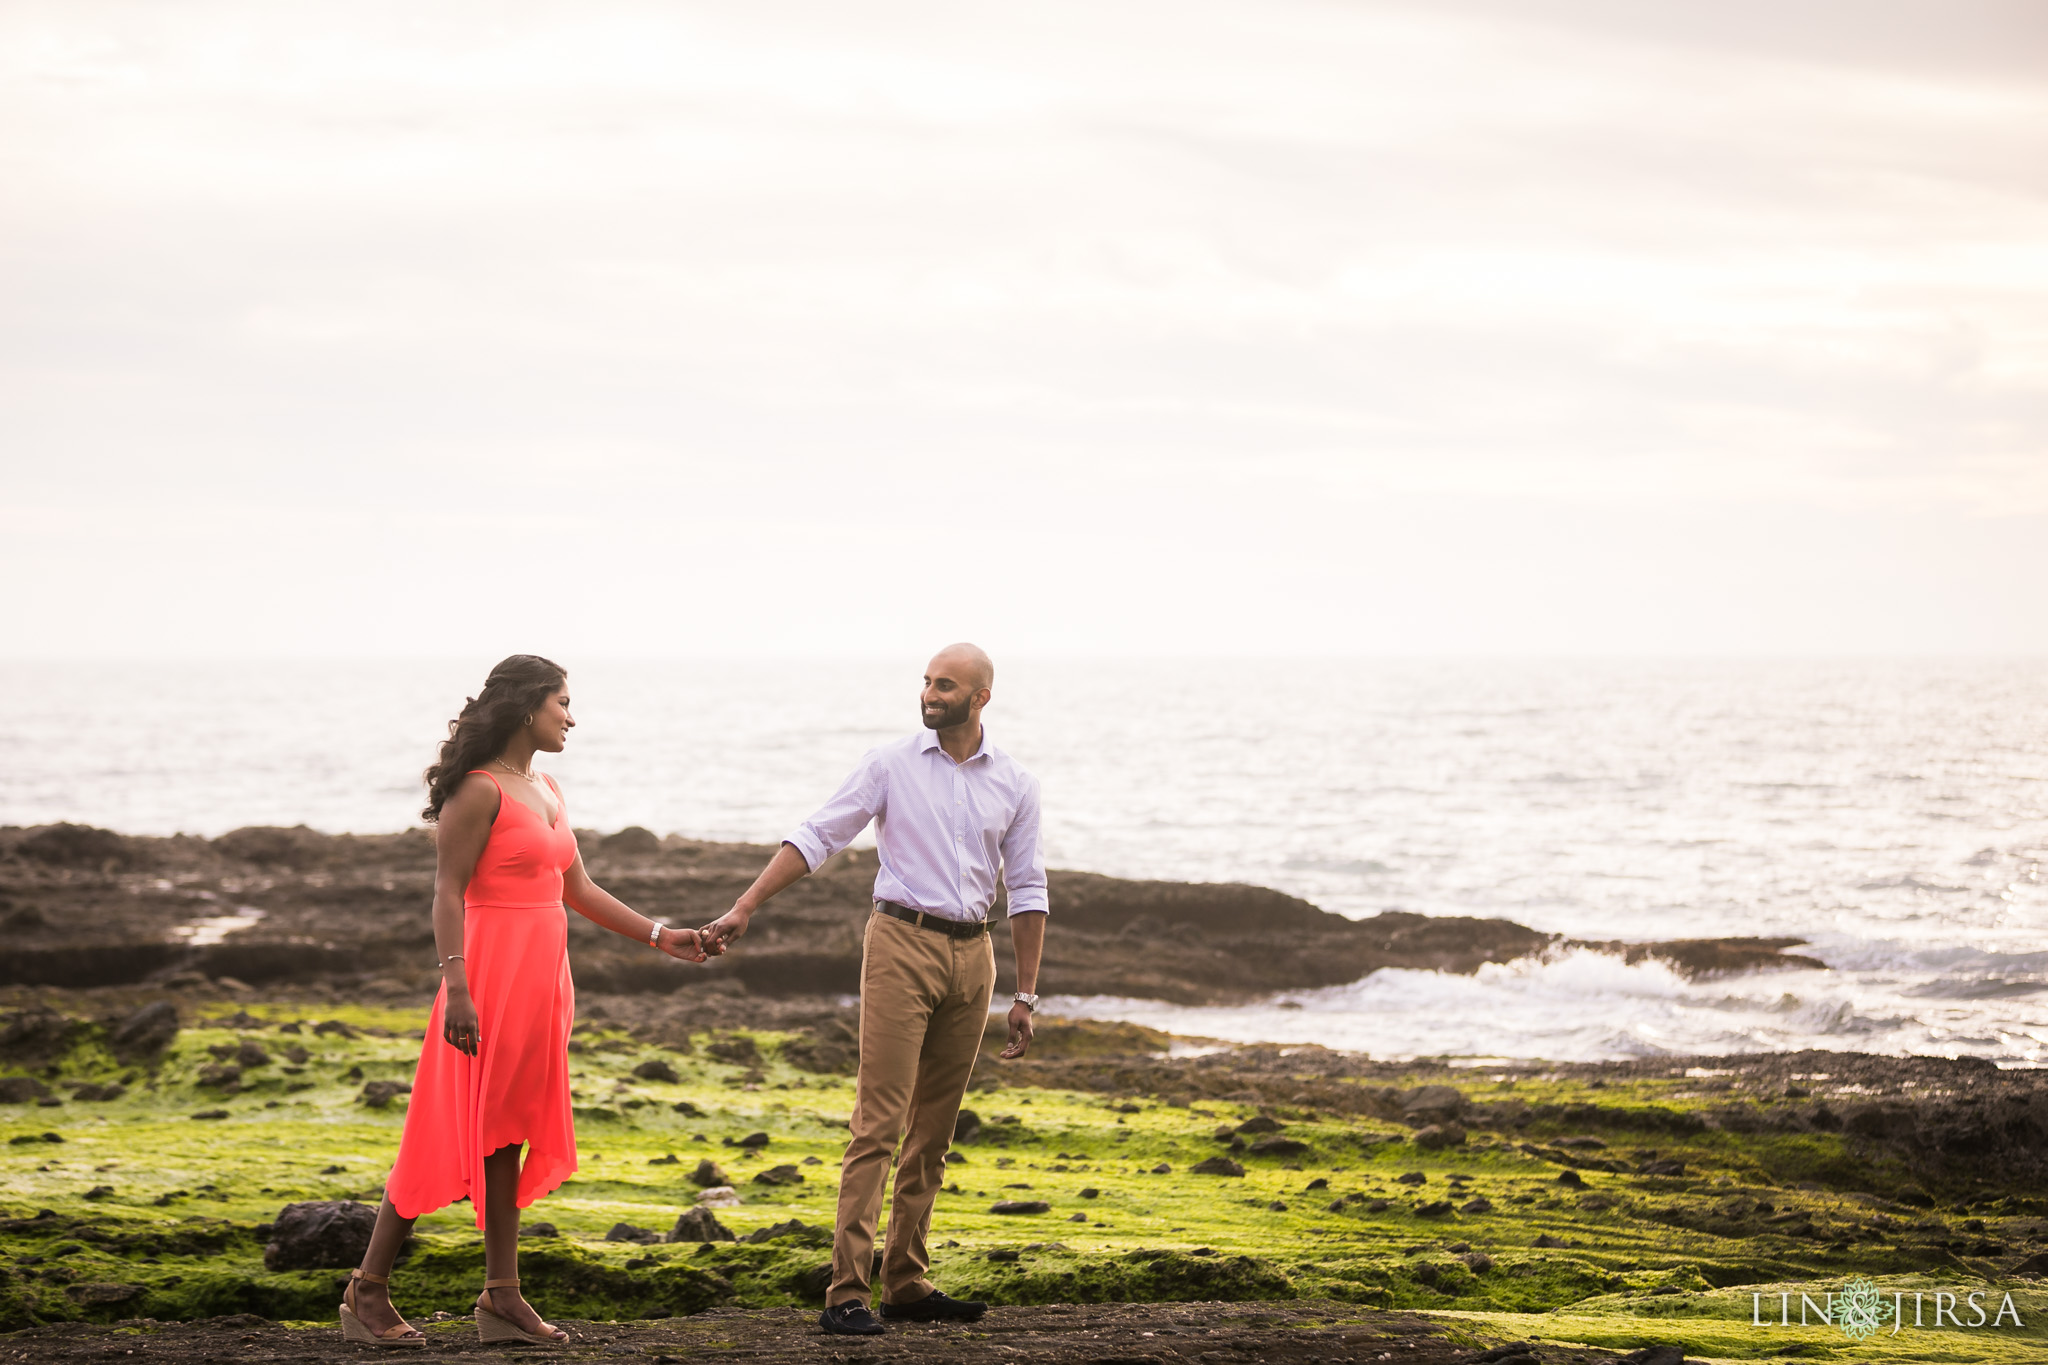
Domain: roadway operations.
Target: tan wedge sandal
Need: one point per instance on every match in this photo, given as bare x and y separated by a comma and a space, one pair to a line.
492, 1327
352, 1328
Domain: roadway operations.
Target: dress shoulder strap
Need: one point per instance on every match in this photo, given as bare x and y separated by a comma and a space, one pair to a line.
494, 781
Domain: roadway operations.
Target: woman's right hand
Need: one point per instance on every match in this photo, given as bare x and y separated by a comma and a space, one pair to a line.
459, 1023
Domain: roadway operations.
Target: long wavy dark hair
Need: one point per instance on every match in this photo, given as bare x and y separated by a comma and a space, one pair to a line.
516, 686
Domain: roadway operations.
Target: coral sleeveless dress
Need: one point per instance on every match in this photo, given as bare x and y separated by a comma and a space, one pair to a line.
515, 941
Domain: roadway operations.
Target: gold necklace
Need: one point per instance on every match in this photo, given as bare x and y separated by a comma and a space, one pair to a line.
528, 774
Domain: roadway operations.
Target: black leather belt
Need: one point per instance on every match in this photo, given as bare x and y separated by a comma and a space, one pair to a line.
955, 928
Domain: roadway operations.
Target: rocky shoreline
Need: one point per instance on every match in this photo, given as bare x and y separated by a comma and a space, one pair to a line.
197, 1036
268, 907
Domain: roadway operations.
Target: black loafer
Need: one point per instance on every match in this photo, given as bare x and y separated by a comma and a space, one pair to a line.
935, 1307
850, 1320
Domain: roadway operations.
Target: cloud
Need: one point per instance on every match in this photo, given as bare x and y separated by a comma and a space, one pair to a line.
1200, 328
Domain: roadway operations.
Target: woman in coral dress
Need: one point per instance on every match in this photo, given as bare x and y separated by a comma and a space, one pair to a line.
494, 1070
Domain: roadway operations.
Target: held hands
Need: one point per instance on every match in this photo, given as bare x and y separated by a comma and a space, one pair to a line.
723, 931
685, 944
1020, 1032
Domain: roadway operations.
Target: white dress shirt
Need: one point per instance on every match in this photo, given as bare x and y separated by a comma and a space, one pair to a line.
947, 831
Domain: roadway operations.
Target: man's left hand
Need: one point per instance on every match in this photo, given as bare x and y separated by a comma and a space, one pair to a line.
1020, 1031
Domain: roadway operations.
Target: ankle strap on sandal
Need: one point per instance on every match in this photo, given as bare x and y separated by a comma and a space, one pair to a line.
367, 1278
501, 1284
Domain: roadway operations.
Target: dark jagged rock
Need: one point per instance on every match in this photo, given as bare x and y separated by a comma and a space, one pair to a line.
1028, 1205
297, 848
1278, 1146
792, 1228
1217, 1165
100, 1294
830, 1049
379, 1094
626, 1232
740, 1051
79, 846
656, 1070
1436, 1136
967, 1127
247, 1054
22, 1090
328, 1234
700, 1225
1703, 958
779, 1175
226, 1079
1655, 1355
631, 842
33, 1036
709, 1174
1429, 1103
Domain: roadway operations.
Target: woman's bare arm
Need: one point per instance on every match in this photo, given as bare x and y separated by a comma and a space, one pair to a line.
464, 829
600, 906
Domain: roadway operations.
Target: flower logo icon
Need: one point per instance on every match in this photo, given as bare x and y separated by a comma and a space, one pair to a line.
1860, 1309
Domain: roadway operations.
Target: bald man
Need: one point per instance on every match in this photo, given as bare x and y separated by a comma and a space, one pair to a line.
955, 820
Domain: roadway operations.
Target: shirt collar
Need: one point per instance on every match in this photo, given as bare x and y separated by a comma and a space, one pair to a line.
931, 742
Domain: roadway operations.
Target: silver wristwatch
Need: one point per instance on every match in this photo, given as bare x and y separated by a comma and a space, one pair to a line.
1029, 1002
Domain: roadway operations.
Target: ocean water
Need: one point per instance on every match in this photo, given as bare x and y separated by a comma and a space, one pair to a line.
1893, 814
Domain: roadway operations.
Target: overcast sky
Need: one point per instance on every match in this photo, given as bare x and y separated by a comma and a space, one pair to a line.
1586, 326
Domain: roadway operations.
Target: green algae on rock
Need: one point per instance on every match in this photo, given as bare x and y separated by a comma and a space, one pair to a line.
141, 1212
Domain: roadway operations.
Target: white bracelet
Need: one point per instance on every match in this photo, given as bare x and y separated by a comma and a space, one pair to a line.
654, 934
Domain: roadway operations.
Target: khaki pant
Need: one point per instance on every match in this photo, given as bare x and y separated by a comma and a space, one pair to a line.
923, 1006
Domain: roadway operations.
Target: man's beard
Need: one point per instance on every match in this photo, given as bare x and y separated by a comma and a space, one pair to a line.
946, 719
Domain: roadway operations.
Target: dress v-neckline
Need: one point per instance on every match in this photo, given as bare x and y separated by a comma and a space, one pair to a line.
552, 825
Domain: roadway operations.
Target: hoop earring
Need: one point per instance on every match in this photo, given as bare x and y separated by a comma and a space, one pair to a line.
529, 718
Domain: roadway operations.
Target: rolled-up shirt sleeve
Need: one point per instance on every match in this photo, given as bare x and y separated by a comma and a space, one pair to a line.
840, 820
1024, 859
